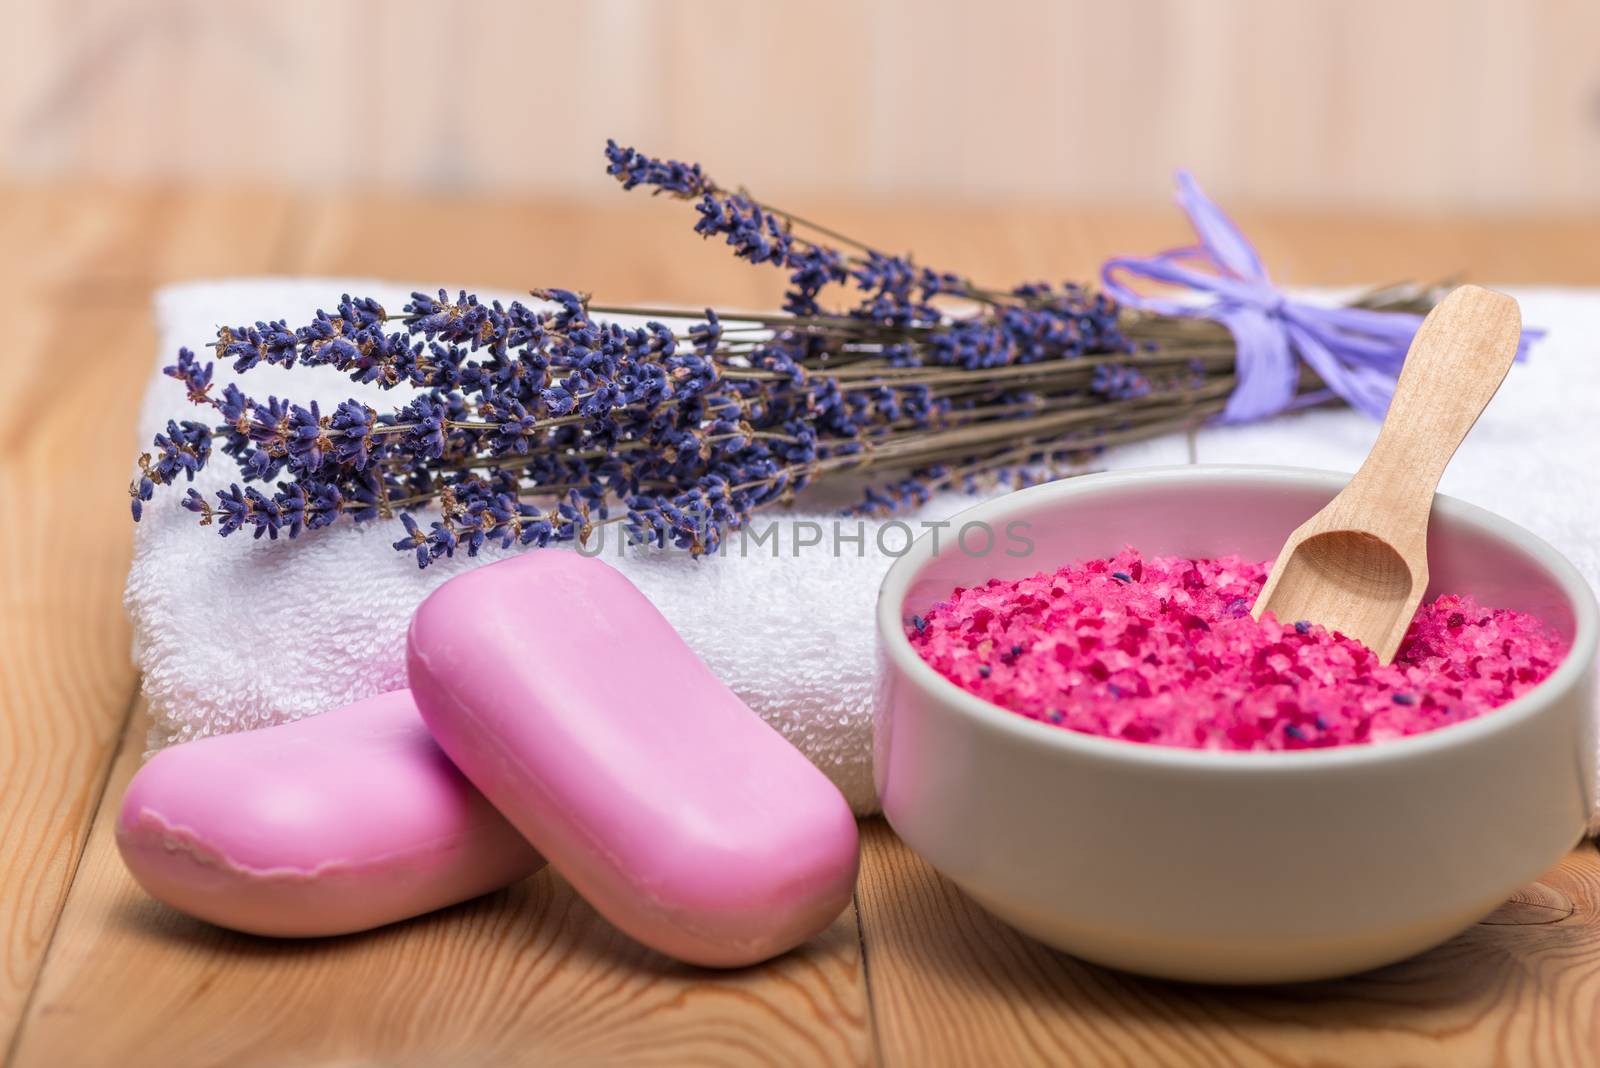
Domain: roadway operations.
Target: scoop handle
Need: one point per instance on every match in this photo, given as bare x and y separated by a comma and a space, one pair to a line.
1457, 360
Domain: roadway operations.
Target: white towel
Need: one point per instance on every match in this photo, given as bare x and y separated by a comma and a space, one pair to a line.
234, 634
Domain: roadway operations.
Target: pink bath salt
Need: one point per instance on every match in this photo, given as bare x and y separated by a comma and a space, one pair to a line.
1164, 651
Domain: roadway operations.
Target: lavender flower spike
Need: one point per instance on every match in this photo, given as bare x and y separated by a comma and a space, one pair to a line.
527, 423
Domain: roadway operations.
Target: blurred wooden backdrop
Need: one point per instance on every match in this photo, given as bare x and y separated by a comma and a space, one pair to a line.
1384, 104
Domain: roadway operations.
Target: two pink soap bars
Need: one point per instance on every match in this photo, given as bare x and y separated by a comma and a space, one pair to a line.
553, 713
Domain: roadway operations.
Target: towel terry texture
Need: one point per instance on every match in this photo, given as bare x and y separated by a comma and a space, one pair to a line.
235, 634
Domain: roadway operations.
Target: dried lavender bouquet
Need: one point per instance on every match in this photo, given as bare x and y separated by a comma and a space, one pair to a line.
542, 422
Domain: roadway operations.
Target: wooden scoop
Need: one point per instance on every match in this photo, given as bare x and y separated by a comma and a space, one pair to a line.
1360, 565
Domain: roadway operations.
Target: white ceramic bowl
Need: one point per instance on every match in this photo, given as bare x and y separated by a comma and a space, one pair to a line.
1232, 867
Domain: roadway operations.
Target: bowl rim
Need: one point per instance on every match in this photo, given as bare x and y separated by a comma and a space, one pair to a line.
898, 650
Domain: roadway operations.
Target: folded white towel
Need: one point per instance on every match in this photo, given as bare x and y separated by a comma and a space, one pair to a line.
238, 634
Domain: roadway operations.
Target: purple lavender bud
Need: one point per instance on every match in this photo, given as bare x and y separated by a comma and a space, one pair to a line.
351, 430
415, 540
665, 176
195, 376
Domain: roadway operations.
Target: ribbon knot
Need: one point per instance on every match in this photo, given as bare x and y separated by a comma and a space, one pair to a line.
1356, 352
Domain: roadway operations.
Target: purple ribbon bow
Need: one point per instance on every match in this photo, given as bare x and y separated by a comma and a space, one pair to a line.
1357, 352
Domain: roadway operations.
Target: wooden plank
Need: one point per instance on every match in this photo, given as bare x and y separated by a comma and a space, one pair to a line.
953, 985
1356, 103
74, 362
66, 686
532, 973
99, 245
528, 975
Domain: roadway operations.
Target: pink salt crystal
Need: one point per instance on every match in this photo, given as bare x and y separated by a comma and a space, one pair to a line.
1164, 650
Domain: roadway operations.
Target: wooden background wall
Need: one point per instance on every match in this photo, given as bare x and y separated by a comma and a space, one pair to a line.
1385, 104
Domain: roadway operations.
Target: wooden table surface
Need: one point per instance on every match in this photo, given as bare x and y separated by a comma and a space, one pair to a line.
94, 973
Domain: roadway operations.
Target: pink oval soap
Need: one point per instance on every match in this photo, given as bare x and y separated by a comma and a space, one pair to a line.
563, 694
336, 823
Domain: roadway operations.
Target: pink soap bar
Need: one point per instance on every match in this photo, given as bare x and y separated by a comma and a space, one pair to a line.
561, 692
337, 823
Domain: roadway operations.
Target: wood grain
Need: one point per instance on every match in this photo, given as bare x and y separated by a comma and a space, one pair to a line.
76, 273
1423, 105
952, 985
530, 975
